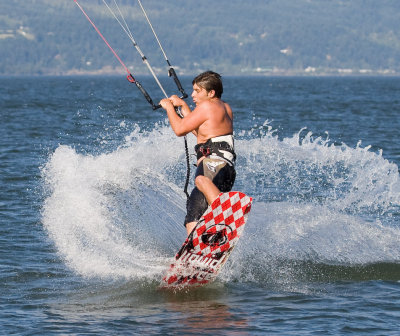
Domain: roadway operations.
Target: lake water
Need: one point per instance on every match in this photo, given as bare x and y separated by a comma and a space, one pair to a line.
92, 206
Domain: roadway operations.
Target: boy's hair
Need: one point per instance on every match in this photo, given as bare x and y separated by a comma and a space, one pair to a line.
210, 80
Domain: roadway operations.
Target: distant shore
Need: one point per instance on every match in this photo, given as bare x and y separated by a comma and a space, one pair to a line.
308, 72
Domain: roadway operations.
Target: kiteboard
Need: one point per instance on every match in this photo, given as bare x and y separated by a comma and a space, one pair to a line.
209, 245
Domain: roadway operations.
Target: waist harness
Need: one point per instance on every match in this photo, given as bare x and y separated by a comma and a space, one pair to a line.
217, 147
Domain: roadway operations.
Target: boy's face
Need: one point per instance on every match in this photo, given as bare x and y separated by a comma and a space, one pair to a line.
200, 94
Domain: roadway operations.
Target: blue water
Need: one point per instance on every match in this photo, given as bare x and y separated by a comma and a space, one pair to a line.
92, 209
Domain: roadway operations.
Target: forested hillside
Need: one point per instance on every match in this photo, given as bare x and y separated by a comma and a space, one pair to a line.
231, 36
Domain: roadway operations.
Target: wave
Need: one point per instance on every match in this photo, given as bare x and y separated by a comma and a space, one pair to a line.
319, 207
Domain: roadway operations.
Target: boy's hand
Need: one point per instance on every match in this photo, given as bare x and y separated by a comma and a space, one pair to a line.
176, 100
166, 103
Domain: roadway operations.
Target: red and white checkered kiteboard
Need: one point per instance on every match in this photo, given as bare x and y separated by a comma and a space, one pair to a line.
212, 240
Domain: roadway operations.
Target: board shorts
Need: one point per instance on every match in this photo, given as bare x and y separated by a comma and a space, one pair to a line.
223, 176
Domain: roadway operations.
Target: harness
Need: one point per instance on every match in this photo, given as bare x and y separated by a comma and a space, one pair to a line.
217, 147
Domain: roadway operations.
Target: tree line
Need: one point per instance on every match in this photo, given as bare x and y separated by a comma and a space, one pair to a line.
46, 37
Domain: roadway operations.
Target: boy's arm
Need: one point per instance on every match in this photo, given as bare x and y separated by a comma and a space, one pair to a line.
182, 126
179, 102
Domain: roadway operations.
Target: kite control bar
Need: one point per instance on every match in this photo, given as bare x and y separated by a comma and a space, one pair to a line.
172, 73
143, 91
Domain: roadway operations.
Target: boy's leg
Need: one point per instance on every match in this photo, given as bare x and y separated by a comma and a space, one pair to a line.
207, 187
190, 226
210, 192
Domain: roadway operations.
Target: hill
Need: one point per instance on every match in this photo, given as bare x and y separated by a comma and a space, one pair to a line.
261, 36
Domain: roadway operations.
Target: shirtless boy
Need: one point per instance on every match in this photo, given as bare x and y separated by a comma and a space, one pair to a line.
212, 123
